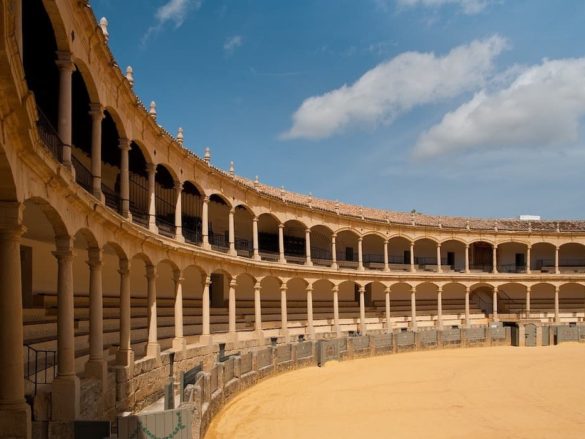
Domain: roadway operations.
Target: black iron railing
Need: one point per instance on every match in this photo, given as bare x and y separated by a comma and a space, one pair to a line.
41, 366
192, 236
138, 191
50, 136
83, 176
564, 262
112, 198
218, 242
487, 268
165, 227
511, 268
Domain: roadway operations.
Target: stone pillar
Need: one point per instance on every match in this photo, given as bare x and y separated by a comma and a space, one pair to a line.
440, 307
413, 308
125, 355
15, 417
96, 112
255, 248
205, 332
66, 69
333, 252
151, 169
467, 258
205, 223
308, 246
18, 30
412, 268
281, 257
557, 270
124, 178
557, 311
439, 268
258, 310
495, 259
528, 267
310, 323
96, 366
388, 315
283, 311
179, 342
66, 394
495, 304
232, 330
386, 265
362, 291
153, 347
231, 233
467, 313
179, 212
528, 302
360, 254
336, 326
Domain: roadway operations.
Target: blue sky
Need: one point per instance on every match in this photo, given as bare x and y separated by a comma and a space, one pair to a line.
449, 107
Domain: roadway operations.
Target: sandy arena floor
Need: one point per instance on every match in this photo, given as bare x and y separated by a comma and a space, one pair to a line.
499, 392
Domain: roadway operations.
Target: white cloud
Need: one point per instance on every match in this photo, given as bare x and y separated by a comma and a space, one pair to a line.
469, 7
394, 87
232, 43
542, 107
175, 11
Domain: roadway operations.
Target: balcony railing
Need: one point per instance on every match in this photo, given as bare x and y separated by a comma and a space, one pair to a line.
165, 227
50, 136
40, 367
83, 176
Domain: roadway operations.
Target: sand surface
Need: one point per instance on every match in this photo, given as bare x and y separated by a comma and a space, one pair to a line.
499, 392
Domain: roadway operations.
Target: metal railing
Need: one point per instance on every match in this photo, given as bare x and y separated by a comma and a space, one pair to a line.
50, 136
83, 176
218, 242
511, 268
165, 227
38, 365
112, 198
192, 236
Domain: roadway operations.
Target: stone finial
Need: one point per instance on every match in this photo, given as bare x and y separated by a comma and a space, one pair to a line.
530, 226
310, 200
207, 155
256, 182
387, 218
180, 137
496, 226
337, 207
152, 110
130, 75
467, 224
232, 169
104, 27
558, 227
440, 225
282, 192
361, 212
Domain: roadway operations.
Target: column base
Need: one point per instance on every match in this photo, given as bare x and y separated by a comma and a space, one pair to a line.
97, 369
256, 257
233, 252
153, 350
179, 237
15, 421
65, 398
361, 268
125, 357
205, 339
179, 344
153, 227
206, 246
309, 263
386, 269
334, 266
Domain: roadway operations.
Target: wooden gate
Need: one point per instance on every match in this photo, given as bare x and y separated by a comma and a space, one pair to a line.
530, 334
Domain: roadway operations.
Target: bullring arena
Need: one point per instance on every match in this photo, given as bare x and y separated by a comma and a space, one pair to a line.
143, 289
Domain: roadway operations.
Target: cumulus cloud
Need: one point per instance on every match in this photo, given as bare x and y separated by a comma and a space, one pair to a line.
394, 87
469, 7
174, 11
232, 43
542, 107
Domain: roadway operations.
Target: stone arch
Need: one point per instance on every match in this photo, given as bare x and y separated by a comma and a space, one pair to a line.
295, 241
321, 236
399, 252
373, 250
243, 229
453, 255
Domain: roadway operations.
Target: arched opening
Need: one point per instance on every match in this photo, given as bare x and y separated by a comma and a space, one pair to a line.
373, 248
321, 245
481, 257
542, 302
166, 197
572, 302
425, 254
454, 307
511, 257
349, 307
193, 283
81, 132
512, 299
111, 162
481, 296
166, 274
346, 245
139, 196
542, 256
243, 229
191, 206
139, 303
572, 258
453, 256
399, 253
218, 300
270, 302
323, 307
268, 237
427, 305
219, 211
295, 242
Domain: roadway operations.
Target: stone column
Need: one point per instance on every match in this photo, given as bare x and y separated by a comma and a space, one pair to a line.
255, 248
386, 265
179, 342
413, 308
15, 417
96, 112
18, 30
153, 347
412, 268
125, 355
205, 223
528, 301
439, 268
336, 326
495, 259
333, 252
66, 394
258, 310
440, 307
557, 311
467, 313
66, 69
363, 328
360, 254
179, 212
232, 330
528, 267
308, 246
96, 366
205, 332
467, 258
388, 315
310, 323
124, 178
231, 233
151, 169
283, 311
495, 304
281, 257
557, 270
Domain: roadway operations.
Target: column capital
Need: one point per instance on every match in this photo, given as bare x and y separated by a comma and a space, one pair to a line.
64, 61
151, 168
151, 272
387, 289
281, 226
96, 111
309, 289
439, 288
124, 144
255, 219
386, 241
124, 267
333, 236
362, 289
257, 286
283, 287
413, 289
335, 289
177, 276
178, 186
206, 199
94, 257
232, 210
207, 281
233, 283
307, 230
528, 288
438, 244
360, 239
